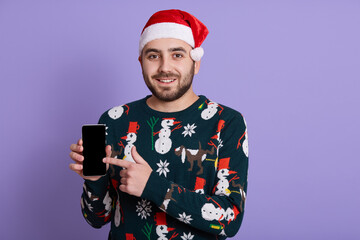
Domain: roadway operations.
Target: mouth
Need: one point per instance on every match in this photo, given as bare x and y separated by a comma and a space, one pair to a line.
166, 81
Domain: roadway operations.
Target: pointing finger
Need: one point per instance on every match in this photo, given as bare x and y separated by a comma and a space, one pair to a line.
136, 156
117, 162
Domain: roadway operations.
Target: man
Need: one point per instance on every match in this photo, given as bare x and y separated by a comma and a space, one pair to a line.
187, 176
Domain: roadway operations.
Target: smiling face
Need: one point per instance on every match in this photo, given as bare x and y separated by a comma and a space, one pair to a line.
168, 69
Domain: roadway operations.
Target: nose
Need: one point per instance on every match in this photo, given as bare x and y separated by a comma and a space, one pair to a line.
165, 65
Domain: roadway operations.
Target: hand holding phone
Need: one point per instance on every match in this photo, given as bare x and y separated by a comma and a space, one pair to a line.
94, 142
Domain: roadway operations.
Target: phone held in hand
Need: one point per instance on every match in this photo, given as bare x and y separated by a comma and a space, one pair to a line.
94, 142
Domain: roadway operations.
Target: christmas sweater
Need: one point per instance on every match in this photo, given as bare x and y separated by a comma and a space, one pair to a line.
197, 188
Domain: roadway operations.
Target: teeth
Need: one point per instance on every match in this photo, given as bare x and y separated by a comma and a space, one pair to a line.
166, 80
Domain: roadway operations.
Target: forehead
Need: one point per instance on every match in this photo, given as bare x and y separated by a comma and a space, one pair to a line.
164, 44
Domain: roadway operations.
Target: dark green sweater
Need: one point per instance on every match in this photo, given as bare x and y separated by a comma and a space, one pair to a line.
197, 188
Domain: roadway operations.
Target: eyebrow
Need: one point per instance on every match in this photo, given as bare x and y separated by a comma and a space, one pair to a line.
177, 49
151, 50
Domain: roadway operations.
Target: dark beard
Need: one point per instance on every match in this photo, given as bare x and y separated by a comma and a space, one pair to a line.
168, 97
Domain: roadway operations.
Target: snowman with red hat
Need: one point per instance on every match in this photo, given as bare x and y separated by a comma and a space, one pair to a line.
222, 187
163, 143
130, 139
161, 226
199, 185
231, 214
210, 212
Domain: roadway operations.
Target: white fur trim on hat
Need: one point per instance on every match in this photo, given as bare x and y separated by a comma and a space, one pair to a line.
197, 53
166, 30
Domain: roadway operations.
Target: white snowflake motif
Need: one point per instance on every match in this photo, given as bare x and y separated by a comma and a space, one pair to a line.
143, 208
163, 167
189, 130
187, 237
184, 218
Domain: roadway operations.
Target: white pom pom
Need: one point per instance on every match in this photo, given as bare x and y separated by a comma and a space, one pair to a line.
197, 53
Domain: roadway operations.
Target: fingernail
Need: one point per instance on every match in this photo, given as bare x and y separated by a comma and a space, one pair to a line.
104, 160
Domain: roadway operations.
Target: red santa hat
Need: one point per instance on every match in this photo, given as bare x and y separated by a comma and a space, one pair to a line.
175, 24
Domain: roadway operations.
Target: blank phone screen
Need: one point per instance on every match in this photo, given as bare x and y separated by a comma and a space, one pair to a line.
94, 150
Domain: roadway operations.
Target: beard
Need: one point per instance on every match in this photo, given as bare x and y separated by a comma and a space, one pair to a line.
166, 94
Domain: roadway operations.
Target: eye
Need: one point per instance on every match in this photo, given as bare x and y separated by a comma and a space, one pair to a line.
153, 56
177, 55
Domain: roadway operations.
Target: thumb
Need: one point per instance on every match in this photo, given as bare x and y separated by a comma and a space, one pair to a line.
108, 151
136, 156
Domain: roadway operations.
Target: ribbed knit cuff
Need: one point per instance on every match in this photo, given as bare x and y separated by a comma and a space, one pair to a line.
98, 187
156, 189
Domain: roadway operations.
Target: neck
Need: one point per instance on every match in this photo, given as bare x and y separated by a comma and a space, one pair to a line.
174, 106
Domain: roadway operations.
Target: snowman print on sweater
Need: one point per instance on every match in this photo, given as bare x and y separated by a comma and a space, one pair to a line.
222, 186
162, 230
116, 112
163, 143
211, 110
130, 139
210, 212
245, 143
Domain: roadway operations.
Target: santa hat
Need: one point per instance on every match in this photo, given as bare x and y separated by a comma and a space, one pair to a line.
175, 24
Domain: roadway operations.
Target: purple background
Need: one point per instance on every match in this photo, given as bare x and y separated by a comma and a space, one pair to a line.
291, 67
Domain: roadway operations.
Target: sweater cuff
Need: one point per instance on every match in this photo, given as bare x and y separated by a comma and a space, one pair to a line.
156, 189
98, 187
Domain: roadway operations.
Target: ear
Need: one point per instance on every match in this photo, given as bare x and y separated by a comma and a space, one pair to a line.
140, 60
197, 67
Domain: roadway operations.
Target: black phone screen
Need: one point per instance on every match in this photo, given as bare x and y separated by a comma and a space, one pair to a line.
94, 149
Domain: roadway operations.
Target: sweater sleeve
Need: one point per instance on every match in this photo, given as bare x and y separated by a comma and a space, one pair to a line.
220, 212
96, 202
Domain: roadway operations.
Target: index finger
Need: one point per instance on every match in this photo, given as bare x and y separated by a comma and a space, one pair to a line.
117, 162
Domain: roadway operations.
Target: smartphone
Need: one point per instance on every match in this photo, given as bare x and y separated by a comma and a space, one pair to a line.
94, 142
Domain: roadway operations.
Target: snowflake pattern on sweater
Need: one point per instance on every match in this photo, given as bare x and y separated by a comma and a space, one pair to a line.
197, 189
